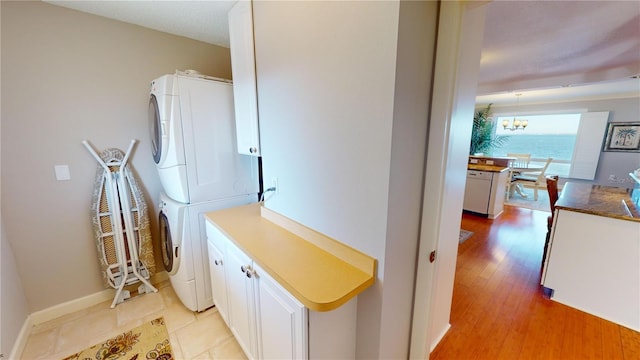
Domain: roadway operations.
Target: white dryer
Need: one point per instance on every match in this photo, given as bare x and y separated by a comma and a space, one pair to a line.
193, 139
184, 247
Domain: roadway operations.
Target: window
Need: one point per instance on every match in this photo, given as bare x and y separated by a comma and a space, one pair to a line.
573, 141
546, 136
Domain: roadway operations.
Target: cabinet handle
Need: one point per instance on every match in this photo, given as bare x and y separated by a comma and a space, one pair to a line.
248, 271
253, 150
217, 262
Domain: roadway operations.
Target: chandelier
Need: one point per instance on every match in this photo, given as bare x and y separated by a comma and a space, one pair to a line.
516, 124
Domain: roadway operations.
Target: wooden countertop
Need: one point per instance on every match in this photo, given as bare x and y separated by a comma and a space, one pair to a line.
320, 272
608, 201
483, 167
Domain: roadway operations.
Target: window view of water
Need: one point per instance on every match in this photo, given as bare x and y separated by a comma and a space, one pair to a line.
542, 147
546, 136
558, 147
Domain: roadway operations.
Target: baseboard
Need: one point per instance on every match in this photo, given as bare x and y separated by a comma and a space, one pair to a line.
68, 307
65, 308
21, 340
437, 340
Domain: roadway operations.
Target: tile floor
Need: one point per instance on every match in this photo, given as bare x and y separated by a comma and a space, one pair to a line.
193, 335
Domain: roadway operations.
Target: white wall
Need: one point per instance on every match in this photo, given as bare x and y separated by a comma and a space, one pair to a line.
69, 76
343, 128
619, 164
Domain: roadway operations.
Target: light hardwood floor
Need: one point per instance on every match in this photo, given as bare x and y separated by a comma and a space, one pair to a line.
500, 311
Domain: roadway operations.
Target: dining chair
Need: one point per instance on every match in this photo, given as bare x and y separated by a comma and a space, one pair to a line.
518, 161
521, 160
552, 189
533, 179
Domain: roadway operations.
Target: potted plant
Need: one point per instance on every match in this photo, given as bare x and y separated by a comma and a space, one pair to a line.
483, 138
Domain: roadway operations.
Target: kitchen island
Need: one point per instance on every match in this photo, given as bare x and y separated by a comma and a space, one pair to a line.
486, 185
593, 261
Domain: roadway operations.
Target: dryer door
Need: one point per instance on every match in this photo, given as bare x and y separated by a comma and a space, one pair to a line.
155, 125
168, 251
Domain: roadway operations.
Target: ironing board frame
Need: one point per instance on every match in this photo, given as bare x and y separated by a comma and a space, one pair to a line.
128, 268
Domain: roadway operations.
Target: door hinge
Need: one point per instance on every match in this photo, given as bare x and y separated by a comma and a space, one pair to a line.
432, 256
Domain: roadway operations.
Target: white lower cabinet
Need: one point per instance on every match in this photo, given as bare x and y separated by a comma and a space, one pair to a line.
267, 321
282, 320
241, 296
218, 281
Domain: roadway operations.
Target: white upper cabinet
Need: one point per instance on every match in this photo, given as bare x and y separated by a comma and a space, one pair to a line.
244, 78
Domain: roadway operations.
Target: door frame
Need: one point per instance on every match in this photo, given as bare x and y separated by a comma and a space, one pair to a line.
460, 35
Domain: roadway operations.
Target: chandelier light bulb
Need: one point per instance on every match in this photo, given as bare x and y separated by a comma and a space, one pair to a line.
517, 124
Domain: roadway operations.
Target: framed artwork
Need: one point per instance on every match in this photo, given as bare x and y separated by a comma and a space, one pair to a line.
623, 136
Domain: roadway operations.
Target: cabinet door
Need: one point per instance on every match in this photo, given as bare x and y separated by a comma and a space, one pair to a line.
281, 320
244, 78
240, 293
218, 282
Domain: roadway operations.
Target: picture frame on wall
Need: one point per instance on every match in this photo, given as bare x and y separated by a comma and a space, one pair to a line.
623, 136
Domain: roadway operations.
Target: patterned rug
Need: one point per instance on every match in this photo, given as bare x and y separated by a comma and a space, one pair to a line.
147, 341
464, 235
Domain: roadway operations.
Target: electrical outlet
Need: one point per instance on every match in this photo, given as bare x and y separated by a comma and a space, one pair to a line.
274, 183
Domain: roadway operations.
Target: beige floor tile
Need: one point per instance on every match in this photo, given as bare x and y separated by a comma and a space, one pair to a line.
169, 296
203, 334
40, 344
175, 346
177, 316
230, 349
57, 322
138, 307
193, 335
204, 356
78, 333
207, 312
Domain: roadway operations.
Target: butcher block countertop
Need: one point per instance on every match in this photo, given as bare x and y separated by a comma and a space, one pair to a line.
608, 201
322, 273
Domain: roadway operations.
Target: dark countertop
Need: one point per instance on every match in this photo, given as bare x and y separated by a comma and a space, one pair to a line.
483, 167
608, 201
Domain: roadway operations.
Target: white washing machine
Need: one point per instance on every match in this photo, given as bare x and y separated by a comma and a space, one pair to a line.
194, 141
184, 247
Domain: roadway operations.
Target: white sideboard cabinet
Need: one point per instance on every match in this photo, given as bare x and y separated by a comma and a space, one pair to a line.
243, 68
265, 319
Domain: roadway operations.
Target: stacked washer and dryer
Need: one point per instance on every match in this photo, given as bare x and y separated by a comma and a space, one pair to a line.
193, 143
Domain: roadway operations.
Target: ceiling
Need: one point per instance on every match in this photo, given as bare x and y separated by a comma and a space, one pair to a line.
545, 50
550, 50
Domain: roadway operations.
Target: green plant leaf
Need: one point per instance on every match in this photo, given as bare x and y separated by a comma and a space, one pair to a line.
483, 138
